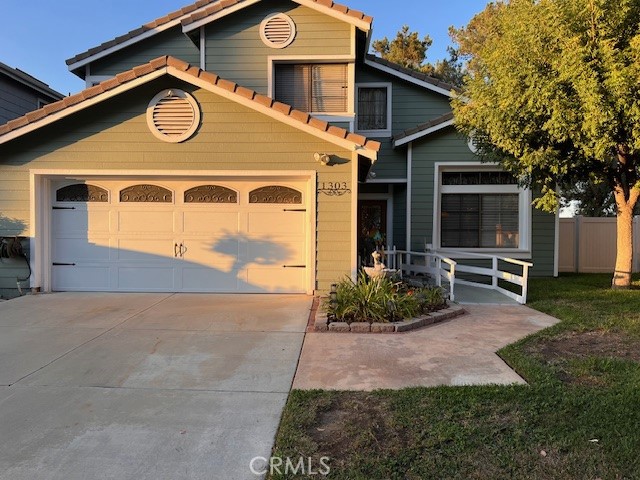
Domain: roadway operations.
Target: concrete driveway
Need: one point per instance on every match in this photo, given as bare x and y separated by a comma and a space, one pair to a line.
144, 386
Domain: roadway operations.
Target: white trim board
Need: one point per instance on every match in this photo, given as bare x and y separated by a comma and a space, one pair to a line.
408, 78
422, 133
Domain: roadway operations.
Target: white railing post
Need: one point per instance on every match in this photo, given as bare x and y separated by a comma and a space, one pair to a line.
439, 272
494, 277
525, 283
452, 281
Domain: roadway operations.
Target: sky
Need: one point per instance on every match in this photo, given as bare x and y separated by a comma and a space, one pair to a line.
37, 36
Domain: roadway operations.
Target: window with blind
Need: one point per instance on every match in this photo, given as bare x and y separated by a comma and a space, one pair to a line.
373, 112
317, 88
480, 209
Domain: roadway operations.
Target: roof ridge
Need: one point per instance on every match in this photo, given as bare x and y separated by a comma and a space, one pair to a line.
413, 73
194, 12
196, 72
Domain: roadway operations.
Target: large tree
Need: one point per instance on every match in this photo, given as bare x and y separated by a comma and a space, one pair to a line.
553, 94
410, 51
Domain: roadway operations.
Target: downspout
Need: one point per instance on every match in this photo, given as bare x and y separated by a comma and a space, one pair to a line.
409, 193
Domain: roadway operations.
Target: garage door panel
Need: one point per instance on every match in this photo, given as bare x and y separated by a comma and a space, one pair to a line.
146, 278
276, 251
205, 279
81, 278
145, 221
80, 221
289, 280
265, 223
208, 253
211, 223
81, 249
146, 249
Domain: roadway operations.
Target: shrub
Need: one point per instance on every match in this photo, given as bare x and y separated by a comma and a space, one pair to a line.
380, 299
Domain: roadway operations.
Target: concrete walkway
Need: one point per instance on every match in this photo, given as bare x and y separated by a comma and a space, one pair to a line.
144, 386
458, 352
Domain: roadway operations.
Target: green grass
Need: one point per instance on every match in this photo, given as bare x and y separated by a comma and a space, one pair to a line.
578, 419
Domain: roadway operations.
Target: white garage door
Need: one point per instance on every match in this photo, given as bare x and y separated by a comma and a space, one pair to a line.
180, 236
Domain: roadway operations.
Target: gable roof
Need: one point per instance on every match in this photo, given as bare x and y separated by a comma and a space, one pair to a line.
214, 11
424, 129
29, 81
412, 76
200, 12
192, 74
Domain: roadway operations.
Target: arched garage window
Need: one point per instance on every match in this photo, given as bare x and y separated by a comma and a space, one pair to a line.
275, 194
210, 194
81, 192
146, 193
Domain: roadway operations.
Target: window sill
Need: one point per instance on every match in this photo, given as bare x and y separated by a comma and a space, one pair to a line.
375, 133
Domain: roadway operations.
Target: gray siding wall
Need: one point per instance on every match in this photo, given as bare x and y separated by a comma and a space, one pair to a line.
449, 146
171, 42
235, 51
114, 136
411, 105
16, 99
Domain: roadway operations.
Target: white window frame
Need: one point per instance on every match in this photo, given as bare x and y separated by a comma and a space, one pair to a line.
524, 207
376, 133
349, 60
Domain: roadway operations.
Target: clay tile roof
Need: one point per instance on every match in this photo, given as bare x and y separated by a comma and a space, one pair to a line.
140, 30
222, 4
424, 126
197, 11
413, 73
195, 72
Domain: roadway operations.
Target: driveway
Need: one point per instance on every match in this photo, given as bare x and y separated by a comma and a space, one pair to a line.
144, 386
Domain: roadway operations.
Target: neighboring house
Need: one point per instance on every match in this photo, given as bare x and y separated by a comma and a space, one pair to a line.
251, 146
21, 93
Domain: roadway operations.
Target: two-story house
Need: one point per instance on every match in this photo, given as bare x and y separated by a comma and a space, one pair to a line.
251, 146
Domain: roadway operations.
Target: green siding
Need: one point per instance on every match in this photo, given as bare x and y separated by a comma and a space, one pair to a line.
114, 136
400, 216
171, 42
449, 146
411, 105
235, 51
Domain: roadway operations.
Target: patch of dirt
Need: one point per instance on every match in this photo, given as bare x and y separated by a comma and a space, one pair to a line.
353, 422
562, 350
589, 344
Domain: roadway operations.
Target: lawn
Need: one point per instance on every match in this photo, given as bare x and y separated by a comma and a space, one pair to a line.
579, 417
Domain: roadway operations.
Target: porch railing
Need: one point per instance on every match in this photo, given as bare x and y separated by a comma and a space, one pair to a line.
443, 270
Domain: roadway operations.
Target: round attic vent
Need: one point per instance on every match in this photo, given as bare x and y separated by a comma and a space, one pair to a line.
277, 30
173, 115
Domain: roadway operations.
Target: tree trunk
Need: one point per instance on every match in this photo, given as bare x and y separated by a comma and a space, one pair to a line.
624, 253
626, 192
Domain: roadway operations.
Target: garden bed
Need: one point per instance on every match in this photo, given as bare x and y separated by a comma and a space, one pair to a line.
383, 304
322, 323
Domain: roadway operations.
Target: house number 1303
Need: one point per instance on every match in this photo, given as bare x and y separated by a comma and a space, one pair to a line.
334, 188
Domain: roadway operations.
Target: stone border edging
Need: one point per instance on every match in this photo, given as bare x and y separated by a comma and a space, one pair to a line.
451, 311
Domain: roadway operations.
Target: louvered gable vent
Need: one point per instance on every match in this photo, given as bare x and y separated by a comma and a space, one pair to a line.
277, 30
173, 115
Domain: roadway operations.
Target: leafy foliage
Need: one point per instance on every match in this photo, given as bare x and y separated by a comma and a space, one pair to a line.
380, 299
408, 50
552, 94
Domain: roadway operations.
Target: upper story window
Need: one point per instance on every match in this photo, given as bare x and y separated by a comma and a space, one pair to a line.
313, 87
373, 109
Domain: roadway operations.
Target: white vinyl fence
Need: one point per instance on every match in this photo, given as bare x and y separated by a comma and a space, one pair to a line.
588, 244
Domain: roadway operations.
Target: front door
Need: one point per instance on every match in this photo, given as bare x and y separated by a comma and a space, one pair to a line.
372, 228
